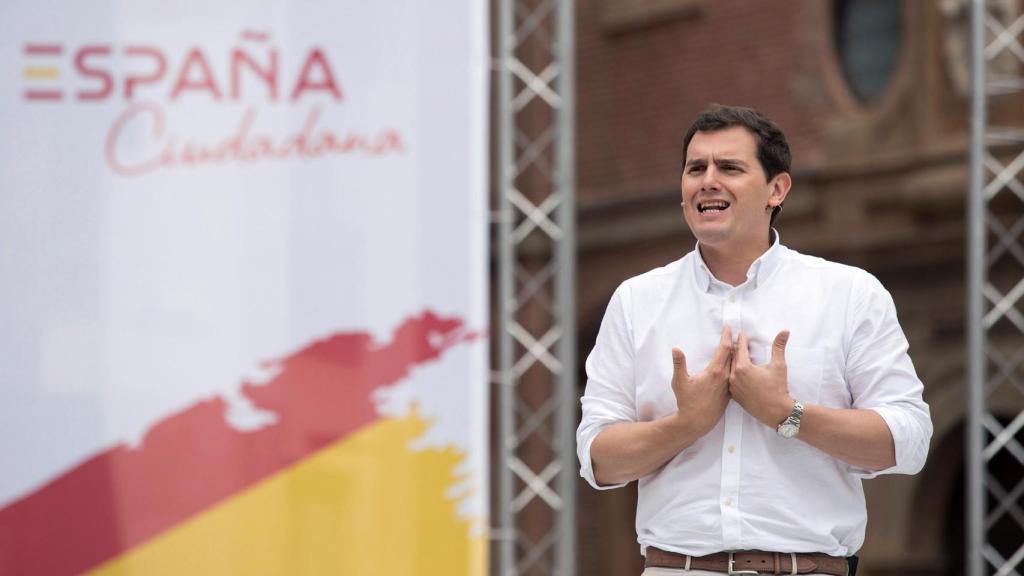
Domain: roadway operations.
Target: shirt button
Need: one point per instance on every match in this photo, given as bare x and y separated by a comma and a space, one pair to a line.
732, 298
732, 449
728, 501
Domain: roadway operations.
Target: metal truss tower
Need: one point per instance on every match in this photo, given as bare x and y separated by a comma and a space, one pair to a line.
536, 335
995, 528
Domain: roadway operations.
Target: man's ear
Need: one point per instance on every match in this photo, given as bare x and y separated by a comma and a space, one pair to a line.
780, 186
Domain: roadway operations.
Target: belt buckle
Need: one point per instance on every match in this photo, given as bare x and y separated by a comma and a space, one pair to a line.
732, 562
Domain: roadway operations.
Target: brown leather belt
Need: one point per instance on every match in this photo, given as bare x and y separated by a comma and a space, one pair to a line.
751, 562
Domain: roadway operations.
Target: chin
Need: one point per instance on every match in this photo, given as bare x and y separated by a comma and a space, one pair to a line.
710, 237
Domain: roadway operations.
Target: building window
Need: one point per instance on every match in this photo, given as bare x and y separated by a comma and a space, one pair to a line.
869, 36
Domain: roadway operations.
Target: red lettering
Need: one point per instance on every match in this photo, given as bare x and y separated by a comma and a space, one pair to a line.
235, 144
316, 59
106, 81
195, 59
114, 146
390, 140
153, 150
131, 80
302, 141
255, 36
268, 74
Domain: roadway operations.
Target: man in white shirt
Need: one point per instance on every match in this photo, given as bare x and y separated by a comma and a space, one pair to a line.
748, 387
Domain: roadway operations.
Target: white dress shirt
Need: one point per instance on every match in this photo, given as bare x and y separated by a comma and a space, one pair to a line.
742, 486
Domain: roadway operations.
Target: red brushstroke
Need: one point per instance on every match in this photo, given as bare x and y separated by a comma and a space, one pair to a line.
123, 496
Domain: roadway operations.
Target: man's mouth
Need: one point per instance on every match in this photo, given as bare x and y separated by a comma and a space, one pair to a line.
712, 206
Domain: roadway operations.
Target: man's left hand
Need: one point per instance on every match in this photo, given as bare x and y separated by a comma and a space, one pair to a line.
762, 390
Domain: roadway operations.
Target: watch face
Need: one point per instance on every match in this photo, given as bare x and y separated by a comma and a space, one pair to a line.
788, 430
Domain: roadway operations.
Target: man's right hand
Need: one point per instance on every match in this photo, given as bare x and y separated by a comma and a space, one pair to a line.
629, 450
701, 399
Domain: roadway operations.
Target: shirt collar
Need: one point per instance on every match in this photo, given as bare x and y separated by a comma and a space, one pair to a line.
759, 270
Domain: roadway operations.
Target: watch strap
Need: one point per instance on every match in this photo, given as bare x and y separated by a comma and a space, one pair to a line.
791, 425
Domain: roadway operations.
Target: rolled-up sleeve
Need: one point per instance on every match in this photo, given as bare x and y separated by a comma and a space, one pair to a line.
881, 377
610, 394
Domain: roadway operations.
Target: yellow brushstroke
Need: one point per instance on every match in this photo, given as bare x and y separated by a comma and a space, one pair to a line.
364, 506
41, 72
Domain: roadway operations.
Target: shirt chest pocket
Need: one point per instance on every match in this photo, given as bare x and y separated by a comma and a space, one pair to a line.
805, 369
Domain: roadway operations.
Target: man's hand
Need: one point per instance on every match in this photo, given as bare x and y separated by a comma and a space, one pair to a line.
701, 399
762, 390
629, 450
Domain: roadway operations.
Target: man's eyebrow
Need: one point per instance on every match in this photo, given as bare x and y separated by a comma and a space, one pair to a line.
735, 161
718, 162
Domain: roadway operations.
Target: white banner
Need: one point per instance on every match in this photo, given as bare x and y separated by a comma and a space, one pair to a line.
243, 297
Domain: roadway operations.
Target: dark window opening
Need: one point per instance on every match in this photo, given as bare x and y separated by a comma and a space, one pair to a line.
869, 35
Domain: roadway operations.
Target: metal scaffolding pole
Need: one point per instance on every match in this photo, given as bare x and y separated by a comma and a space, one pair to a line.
975, 500
536, 288
995, 253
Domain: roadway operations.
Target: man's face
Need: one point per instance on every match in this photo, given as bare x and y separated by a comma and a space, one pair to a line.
725, 192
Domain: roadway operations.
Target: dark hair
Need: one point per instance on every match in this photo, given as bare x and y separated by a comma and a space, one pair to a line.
772, 148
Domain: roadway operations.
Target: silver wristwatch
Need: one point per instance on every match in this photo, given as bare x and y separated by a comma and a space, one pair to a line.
791, 425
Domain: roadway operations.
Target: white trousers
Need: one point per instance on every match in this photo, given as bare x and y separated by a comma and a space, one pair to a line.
681, 572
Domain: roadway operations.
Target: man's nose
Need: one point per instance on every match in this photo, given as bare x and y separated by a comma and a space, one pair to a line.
710, 179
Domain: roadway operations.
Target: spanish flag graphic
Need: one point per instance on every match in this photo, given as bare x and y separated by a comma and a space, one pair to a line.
328, 485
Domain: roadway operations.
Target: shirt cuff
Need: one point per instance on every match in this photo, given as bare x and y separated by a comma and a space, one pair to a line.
911, 450
587, 465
